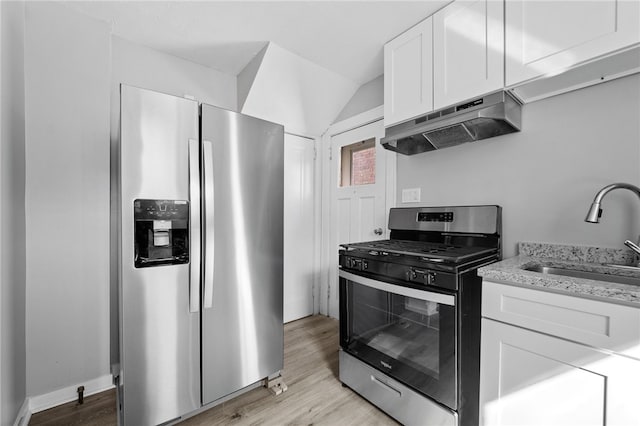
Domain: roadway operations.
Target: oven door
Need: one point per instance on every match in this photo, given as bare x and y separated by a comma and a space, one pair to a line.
407, 333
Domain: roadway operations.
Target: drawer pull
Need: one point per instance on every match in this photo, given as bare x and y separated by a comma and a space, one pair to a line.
386, 386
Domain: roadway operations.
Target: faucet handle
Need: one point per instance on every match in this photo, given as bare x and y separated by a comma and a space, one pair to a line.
633, 246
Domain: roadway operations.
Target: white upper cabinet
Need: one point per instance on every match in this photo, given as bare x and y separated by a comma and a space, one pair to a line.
474, 47
468, 51
547, 37
408, 90
454, 55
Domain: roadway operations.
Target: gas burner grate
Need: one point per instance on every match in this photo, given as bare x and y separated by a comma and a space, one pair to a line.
444, 252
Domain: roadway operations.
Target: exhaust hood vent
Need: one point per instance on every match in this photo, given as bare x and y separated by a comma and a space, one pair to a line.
492, 115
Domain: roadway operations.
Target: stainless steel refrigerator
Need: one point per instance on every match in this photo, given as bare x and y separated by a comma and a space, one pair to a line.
197, 207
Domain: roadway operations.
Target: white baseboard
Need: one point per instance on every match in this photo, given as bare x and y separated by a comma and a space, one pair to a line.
24, 415
70, 393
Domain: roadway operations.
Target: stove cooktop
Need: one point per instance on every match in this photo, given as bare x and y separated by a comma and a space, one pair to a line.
422, 249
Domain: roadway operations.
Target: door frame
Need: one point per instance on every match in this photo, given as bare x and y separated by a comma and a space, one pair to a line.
328, 262
314, 221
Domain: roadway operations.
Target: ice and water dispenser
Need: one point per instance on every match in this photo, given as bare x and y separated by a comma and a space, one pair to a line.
161, 232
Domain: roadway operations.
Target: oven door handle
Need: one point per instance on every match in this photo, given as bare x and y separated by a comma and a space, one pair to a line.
443, 299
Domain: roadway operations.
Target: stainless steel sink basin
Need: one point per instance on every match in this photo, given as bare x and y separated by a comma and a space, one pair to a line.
583, 274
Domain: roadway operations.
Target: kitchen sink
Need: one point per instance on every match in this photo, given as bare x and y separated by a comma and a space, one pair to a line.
583, 274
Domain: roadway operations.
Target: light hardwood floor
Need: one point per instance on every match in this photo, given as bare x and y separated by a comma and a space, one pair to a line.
315, 395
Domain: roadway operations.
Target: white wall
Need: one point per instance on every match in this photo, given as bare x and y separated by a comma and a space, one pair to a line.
546, 176
67, 70
12, 213
296, 93
368, 96
247, 76
73, 69
139, 66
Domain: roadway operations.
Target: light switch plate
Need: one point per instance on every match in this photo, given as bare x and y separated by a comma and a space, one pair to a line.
411, 195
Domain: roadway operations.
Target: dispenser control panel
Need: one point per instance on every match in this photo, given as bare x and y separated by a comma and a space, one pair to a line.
161, 232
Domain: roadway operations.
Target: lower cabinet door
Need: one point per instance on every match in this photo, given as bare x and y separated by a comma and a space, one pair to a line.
528, 378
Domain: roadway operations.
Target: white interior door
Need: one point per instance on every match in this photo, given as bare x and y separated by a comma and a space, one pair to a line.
359, 204
299, 251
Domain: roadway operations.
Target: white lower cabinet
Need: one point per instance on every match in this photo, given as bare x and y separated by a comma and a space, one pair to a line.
531, 378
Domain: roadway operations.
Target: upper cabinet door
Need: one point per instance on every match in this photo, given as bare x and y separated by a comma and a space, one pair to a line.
545, 37
468, 51
408, 75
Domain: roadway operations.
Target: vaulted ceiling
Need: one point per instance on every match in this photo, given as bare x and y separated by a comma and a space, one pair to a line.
346, 37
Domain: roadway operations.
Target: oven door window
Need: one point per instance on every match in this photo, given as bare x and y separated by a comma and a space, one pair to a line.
406, 333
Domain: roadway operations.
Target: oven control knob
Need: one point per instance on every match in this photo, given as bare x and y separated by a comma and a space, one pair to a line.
365, 265
431, 278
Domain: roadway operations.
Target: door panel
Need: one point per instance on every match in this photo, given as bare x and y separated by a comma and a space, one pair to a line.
298, 227
343, 222
366, 218
357, 210
408, 76
519, 386
468, 51
242, 333
159, 337
520, 366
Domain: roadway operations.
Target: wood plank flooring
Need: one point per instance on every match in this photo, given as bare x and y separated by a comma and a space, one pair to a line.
97, 410
315, 395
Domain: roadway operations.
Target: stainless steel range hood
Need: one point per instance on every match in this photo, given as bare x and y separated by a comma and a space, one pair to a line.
491, 115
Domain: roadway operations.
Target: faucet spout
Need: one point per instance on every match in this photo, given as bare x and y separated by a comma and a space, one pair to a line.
633, 246
593, 216
595, 211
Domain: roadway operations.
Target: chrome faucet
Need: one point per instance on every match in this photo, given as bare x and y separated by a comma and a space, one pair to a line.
633, 246
595, 212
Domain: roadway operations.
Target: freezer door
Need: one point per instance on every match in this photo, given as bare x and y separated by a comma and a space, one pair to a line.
159, 311
242, 328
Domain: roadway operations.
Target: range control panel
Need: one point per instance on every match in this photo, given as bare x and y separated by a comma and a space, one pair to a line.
415, 275
435, 217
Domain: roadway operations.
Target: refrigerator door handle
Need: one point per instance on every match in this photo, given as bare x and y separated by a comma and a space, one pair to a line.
194, 228
209, 239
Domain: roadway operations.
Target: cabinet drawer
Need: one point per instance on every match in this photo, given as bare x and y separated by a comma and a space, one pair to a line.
400, 402
591, 322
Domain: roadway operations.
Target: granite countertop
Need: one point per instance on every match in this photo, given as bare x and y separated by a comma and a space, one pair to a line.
589, 259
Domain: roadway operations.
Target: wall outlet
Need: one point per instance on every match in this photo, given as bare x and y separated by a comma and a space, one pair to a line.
411, 195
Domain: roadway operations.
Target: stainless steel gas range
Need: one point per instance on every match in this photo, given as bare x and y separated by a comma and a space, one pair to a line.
410, 313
